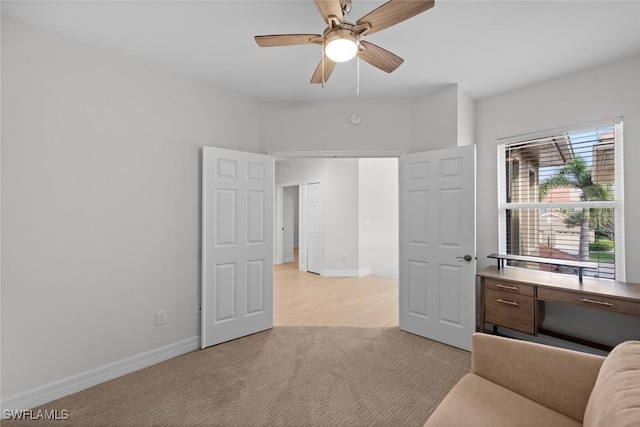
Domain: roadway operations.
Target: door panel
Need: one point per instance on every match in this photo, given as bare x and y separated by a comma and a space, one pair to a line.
224, 292
451, 290
255, 217
437, 211
418, 273
237, 244
255, 287
226, 227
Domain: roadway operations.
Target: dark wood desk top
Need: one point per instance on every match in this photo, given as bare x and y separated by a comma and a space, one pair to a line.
624, 290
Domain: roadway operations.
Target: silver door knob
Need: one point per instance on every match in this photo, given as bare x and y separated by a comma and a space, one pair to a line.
467, 257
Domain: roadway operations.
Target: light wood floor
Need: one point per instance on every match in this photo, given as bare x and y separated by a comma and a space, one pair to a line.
307, 299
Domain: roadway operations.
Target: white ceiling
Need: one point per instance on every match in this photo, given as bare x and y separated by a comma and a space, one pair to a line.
486, 47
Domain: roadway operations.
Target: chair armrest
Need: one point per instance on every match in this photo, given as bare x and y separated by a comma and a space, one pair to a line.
557, 378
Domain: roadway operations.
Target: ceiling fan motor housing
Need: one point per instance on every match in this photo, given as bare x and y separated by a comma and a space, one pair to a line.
341, 44
343, 32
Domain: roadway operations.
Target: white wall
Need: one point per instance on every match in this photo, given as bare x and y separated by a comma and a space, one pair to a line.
378, 183
586, 96
466, 118
442, 119
434, 120
100, 204
416, 124
298, 170
339, 199
325, 126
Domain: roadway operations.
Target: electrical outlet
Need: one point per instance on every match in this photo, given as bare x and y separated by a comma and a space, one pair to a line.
161, 317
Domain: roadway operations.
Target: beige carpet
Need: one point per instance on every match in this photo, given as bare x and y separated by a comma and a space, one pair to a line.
288, 376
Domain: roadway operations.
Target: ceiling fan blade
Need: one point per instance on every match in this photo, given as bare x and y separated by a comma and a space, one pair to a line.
394, 12
329, 8
379, 57
329, 65
285, 39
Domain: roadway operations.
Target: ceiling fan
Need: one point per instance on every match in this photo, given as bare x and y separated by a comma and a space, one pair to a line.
342, 40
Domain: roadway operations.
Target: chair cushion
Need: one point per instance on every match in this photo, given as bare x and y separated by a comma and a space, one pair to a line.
477, 402
615, 399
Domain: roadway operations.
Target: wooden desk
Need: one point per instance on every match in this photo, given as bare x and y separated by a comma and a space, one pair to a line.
514, 298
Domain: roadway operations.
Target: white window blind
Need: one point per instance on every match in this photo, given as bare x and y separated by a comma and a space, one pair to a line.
561, 196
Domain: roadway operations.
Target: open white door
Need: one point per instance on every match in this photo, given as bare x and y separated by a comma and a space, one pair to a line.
437, 232
237, 244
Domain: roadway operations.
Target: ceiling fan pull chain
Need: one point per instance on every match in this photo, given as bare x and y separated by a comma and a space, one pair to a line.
358, 77
322, 64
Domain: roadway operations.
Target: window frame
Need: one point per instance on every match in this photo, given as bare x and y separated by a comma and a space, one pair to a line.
617, 204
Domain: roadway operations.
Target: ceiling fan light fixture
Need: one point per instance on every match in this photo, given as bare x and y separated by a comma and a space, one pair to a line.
341, 45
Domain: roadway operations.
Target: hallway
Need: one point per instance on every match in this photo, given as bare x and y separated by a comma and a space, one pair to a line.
307, 299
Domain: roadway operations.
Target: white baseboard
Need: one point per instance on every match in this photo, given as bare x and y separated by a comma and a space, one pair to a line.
346, 273
64, 387
288, 259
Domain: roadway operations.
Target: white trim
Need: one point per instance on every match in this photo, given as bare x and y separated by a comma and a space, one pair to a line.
66, 386
621, 273
346, 273
203, 232
502, 190
334, 154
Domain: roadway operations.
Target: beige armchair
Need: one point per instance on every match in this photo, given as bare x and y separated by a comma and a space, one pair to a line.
519, 383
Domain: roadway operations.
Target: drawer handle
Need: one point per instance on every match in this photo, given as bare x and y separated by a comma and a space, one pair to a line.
504, 301
592, 301
500, 285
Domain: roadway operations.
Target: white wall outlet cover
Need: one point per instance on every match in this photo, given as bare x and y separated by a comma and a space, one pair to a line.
355, 118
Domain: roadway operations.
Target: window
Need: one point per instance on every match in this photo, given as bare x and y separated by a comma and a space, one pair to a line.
560, 196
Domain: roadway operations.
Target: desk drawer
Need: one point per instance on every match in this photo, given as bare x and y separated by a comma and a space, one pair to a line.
506, 286
603, 302
510, 310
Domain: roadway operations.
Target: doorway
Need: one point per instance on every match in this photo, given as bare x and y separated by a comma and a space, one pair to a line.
341, 213
347, 223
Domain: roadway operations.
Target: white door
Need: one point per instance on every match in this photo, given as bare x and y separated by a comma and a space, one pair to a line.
437, 231
314, 243
237, 244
